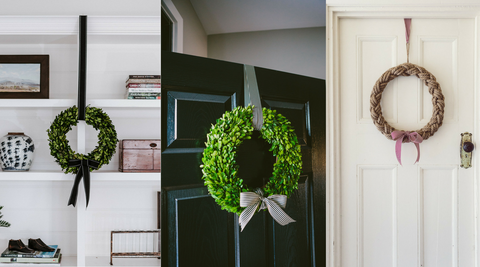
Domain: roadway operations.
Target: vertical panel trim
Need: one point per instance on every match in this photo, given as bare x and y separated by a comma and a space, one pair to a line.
365, 118
421, 44
421, 208
360, 206
476, 160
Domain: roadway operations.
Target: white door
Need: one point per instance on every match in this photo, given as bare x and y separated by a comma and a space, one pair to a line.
417, 214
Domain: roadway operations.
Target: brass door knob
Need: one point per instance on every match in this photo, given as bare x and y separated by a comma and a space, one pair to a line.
466, 148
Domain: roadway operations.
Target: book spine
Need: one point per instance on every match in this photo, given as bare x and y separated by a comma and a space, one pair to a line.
143, 81
143, 94
19, 255
144, 97
144, 85
29, 260
144, 76
144, 90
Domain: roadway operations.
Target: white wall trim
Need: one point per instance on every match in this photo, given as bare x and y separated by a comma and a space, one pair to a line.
334, 14
177, 20
68, 25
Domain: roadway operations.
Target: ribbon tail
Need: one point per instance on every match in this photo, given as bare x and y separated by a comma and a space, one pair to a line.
86, 182
398, 150
418, 152
278, 214
74, 193
247, 214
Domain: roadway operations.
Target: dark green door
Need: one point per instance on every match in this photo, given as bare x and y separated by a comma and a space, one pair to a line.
195, 231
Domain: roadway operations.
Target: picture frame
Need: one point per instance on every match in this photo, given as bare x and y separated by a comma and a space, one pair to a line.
24, 76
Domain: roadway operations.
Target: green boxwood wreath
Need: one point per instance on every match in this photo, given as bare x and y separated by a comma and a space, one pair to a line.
219, 157
61, 150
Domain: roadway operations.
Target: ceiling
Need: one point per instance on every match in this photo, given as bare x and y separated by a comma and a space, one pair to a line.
228, 16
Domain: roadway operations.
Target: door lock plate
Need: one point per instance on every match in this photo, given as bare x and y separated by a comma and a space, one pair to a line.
466, 145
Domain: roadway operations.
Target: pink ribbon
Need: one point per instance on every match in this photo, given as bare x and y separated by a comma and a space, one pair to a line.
412, 137
408, 22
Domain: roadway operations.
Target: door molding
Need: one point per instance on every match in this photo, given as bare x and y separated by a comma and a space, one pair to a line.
333, 171
176, 18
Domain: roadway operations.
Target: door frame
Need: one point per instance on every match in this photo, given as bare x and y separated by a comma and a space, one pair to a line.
176, 18
333, 165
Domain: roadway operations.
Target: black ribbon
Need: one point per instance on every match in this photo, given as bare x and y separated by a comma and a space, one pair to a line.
84, 166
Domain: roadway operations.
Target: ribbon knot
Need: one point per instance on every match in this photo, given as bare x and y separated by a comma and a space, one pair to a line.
256, 202
408, 137
84, 166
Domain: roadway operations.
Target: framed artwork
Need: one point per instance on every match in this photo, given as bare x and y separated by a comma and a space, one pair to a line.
24, 76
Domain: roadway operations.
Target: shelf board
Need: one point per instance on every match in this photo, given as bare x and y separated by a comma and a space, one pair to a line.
37, 103
71, 261
63, 29
65, 103
95, 176
125, 103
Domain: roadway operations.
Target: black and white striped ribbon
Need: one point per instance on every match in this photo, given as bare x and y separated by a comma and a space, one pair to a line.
273, 203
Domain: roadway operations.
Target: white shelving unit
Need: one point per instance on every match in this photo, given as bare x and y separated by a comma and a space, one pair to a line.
65, 103
35, 202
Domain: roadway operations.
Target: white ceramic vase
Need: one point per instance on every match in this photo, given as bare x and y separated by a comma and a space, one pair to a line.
16, 152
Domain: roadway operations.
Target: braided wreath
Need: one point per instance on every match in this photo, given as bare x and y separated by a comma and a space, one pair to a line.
61, 150
219, 157
438, 100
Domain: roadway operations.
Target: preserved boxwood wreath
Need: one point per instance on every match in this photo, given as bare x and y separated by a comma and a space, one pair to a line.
61, 150
219, 157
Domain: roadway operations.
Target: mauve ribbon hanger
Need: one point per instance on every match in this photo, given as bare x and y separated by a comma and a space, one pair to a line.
408, 23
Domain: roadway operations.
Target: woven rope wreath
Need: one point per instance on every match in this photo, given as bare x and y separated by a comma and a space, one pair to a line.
438, 100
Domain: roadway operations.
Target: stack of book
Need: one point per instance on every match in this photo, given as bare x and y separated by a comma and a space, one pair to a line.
54, 258
143, 87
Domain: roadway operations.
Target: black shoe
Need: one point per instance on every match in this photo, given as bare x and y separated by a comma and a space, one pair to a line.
17, 245
38, 245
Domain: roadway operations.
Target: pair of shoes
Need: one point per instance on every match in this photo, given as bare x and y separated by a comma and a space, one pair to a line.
33, 245
38, 245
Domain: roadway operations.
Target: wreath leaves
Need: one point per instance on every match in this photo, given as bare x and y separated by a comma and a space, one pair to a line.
58, 142
219, 157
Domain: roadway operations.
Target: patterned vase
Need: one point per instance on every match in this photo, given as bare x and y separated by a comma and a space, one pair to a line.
16, 152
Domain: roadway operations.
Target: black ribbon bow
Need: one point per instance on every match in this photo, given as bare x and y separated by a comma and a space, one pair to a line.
84, 166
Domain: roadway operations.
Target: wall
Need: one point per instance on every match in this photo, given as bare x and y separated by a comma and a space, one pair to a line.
384, 3
194, 36
84, 7
299, 51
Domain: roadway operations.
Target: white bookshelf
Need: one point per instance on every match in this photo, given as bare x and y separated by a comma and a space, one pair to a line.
94, 176
35, 202
66, 103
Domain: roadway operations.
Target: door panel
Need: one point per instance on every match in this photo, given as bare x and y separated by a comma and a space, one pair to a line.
195, 230
195, 92
197, 217
297, 114
296, 251
192, 114
416, 214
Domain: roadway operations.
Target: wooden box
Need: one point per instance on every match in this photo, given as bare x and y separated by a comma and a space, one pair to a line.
139, 155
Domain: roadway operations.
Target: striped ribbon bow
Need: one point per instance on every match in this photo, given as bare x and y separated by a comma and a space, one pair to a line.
252, 201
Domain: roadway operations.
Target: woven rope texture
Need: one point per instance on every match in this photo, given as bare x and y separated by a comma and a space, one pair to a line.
408, 69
